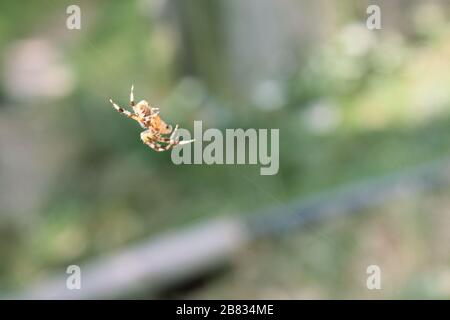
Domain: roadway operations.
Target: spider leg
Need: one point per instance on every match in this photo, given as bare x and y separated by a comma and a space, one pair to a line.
132, 103
124, 111
170, 144
185, 142
173, 140
172, 136
120, 109
155, 111
156, 146
151, 140
177, 140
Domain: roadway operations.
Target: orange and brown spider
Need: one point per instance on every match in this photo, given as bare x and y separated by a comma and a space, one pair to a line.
149, 119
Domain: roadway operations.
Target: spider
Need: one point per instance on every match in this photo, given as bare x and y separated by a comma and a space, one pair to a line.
149, 119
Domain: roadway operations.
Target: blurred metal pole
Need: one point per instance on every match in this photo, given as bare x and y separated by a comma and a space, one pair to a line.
352, 198
164, 261
151, 265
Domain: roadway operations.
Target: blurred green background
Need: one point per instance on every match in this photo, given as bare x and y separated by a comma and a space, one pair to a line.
76, 182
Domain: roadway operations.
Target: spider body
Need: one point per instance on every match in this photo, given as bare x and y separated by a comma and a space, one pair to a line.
156, 129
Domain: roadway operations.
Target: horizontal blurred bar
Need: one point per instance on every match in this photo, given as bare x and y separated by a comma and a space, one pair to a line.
161, 262
352, 198
151, 265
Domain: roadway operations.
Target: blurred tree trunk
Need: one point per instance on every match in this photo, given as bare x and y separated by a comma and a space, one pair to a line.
234, 45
